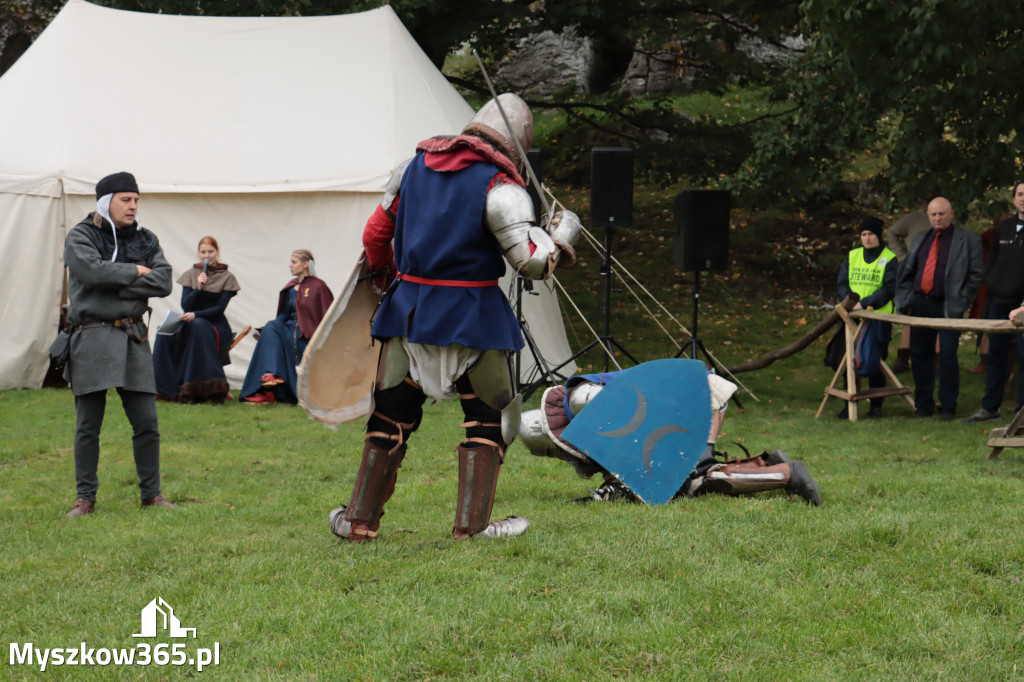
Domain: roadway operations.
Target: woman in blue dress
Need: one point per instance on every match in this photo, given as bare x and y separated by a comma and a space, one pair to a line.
301, 305
190, 363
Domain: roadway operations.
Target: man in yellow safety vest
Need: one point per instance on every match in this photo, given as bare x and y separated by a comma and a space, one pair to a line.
870, 271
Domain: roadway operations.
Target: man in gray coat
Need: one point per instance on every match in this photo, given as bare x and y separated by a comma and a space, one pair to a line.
114, 266
938, 278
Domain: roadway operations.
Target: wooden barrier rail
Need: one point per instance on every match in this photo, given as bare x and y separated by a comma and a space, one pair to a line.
1011, 436
852, 395
958, 324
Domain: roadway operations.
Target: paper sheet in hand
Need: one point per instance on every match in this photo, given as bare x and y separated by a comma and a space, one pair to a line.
170, 324
648, 427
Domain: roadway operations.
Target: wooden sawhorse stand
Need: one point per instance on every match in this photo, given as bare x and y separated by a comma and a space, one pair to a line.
852, 395
1011, 436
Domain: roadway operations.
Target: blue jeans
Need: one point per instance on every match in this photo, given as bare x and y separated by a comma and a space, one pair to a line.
922, 359
999, 359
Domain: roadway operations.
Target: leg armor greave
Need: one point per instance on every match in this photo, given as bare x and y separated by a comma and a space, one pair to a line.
396, 414
483, 422
478, 479
375, 483
491, 408
489, 397
768, 471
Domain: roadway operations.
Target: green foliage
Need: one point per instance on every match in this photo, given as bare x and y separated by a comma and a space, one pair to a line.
926, 82
911, 97
710, 46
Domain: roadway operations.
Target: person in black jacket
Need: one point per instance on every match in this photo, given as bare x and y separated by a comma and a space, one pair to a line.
1004, 276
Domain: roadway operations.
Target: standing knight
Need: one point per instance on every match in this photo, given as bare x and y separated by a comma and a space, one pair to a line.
449, 219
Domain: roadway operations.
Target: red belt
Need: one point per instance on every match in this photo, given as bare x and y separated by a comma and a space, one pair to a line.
447, 282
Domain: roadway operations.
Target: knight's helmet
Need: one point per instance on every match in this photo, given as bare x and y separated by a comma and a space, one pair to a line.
489, 124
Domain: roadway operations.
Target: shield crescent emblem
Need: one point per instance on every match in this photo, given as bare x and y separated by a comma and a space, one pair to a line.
648, 427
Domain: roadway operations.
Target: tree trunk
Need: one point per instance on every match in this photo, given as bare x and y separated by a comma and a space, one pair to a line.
768, 358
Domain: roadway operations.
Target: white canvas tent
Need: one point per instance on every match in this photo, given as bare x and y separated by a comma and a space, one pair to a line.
271, 134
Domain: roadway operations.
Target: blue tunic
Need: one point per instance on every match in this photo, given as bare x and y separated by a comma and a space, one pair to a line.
440, 234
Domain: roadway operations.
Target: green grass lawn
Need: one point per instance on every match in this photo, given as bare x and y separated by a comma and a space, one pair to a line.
912, 569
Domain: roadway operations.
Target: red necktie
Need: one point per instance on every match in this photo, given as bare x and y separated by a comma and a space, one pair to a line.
928, 276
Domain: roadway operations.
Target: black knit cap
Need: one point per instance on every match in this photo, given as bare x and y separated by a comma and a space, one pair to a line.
872, 225
118, 182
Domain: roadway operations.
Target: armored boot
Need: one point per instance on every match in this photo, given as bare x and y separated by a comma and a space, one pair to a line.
375, 483
478, 479
610, 489
800, 483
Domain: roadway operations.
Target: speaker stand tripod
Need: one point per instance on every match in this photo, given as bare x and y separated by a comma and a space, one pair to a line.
694, 343
606, 340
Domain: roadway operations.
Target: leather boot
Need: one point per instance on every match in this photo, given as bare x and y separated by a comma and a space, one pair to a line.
159, 501
81, 508
764, 459
775, 457
374, 486
478, 479
902, 363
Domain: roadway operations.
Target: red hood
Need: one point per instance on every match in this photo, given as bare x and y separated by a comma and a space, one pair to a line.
448, 154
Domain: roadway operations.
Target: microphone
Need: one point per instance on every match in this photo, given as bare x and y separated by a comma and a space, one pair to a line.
206, 264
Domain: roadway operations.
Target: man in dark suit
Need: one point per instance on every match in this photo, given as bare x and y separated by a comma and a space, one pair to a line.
939, 278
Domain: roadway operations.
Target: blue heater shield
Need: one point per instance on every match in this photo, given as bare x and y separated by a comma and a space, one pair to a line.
648, 427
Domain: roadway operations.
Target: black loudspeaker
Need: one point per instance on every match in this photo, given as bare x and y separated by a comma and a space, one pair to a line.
611, 187
533, 156
702, 230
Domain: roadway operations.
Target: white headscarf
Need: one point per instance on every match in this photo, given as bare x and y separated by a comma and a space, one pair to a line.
103, 208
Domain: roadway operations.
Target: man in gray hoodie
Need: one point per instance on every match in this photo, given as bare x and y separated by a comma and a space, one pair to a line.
114, 266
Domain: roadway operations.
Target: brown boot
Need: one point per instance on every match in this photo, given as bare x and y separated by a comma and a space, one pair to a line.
81, 508
902, 363
159, 501
374, 486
